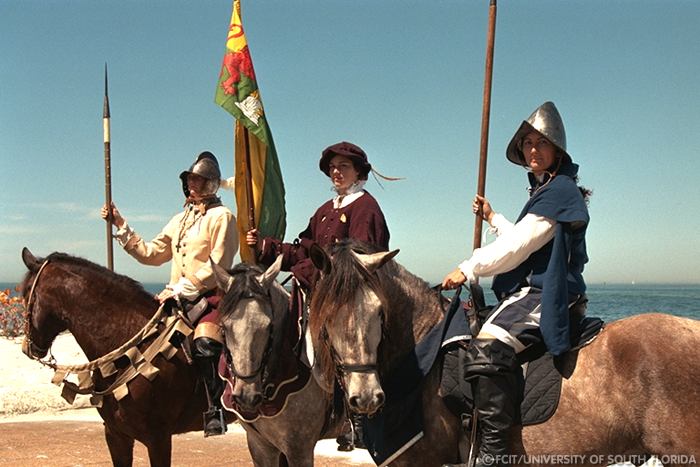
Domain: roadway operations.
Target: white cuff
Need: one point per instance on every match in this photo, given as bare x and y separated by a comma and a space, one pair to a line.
499, 224
467, 270
184, 288
124, 234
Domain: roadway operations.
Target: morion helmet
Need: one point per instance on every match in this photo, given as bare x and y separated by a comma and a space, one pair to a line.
544, 120
205, 166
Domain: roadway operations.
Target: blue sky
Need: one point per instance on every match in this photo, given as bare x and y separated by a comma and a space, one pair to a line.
402, 79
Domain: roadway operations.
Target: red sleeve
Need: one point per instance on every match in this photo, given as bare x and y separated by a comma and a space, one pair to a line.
368, 224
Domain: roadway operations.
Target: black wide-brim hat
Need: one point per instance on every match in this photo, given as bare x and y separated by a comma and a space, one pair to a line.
349, 150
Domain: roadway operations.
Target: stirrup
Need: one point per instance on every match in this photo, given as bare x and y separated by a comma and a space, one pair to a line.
214, 422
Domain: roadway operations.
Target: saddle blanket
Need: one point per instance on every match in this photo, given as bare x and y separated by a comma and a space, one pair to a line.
399, 424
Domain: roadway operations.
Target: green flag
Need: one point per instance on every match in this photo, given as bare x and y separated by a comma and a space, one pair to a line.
237, 92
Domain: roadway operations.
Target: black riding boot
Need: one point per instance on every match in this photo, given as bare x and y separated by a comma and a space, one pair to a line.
352, 438
206, 357
491, 368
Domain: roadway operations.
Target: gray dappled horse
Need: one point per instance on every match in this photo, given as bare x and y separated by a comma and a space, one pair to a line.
254, 314
635, 390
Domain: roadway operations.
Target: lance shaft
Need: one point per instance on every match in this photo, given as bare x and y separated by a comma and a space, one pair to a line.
485, 116
108, 176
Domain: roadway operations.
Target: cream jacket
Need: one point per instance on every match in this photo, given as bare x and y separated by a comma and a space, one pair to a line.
189, 239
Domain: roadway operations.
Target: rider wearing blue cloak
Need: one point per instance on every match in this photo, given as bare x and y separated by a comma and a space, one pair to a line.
537, 264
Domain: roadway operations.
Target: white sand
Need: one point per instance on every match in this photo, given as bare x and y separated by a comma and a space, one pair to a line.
27, 394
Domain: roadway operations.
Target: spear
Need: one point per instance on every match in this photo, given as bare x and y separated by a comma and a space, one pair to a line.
481, 187
485, 115
108, 176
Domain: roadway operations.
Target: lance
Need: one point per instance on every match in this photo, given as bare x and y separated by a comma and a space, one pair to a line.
481, 186
485, 115
108, 176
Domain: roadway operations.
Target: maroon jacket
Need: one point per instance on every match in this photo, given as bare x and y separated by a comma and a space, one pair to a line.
361, 220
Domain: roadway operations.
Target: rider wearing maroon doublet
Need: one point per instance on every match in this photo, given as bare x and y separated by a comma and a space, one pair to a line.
353, 213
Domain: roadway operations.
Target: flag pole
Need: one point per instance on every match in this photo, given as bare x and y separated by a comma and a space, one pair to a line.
108, 176
249, 187
485, 116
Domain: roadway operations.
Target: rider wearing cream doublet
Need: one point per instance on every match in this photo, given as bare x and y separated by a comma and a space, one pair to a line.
205, 229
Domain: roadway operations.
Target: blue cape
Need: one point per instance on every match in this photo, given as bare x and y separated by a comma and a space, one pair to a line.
557, 267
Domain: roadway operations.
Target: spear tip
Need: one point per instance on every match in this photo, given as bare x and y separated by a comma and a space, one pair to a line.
105, 109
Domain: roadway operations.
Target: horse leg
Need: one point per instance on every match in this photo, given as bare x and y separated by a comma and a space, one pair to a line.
160, 450
121, 447
263, 453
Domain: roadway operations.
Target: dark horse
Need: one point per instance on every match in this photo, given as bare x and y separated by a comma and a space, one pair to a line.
103, 310
255, 315
635, 390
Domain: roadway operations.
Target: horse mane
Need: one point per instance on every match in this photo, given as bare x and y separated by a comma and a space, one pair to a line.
245, 285
410, 307
113, 280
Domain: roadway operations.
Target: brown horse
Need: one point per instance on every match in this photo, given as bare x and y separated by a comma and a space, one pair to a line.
634, 391
103, 310
255, 316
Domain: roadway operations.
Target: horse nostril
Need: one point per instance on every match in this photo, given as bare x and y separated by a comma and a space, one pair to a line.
380, 398
354, 402
257, 400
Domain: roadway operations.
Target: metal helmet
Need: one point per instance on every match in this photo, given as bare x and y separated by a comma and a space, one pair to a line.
544, 120
205, 166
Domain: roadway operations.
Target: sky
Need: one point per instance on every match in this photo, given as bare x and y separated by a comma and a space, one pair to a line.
403, 79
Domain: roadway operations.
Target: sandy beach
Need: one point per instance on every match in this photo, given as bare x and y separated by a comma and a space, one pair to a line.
37, 427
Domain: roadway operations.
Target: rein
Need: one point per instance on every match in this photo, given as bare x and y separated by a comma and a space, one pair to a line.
140, 362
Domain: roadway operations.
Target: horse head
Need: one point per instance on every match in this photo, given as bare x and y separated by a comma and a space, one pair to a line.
252, 311
43, 319
347, 319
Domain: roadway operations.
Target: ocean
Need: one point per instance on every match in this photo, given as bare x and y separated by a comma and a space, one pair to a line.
606, 301
614, 301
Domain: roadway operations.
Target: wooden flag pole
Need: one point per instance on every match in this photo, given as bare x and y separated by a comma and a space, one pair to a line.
485, 115
249, 187
108, 176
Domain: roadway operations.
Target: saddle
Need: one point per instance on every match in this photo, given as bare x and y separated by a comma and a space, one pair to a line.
542, 373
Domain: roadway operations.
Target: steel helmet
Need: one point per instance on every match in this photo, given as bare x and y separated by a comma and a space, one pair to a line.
544, 120
205, 166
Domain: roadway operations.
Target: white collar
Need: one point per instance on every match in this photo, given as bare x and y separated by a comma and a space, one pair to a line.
352, 193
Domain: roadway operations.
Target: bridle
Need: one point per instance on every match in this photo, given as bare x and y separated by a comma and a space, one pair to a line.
342, 369
28, 318
266, 353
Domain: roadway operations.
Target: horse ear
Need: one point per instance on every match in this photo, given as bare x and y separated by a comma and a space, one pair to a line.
30, 260
375, 261
271, 274
224, 280
320, 258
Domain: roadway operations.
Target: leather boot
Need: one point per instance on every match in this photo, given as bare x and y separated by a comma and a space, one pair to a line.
206, 357
492, 367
